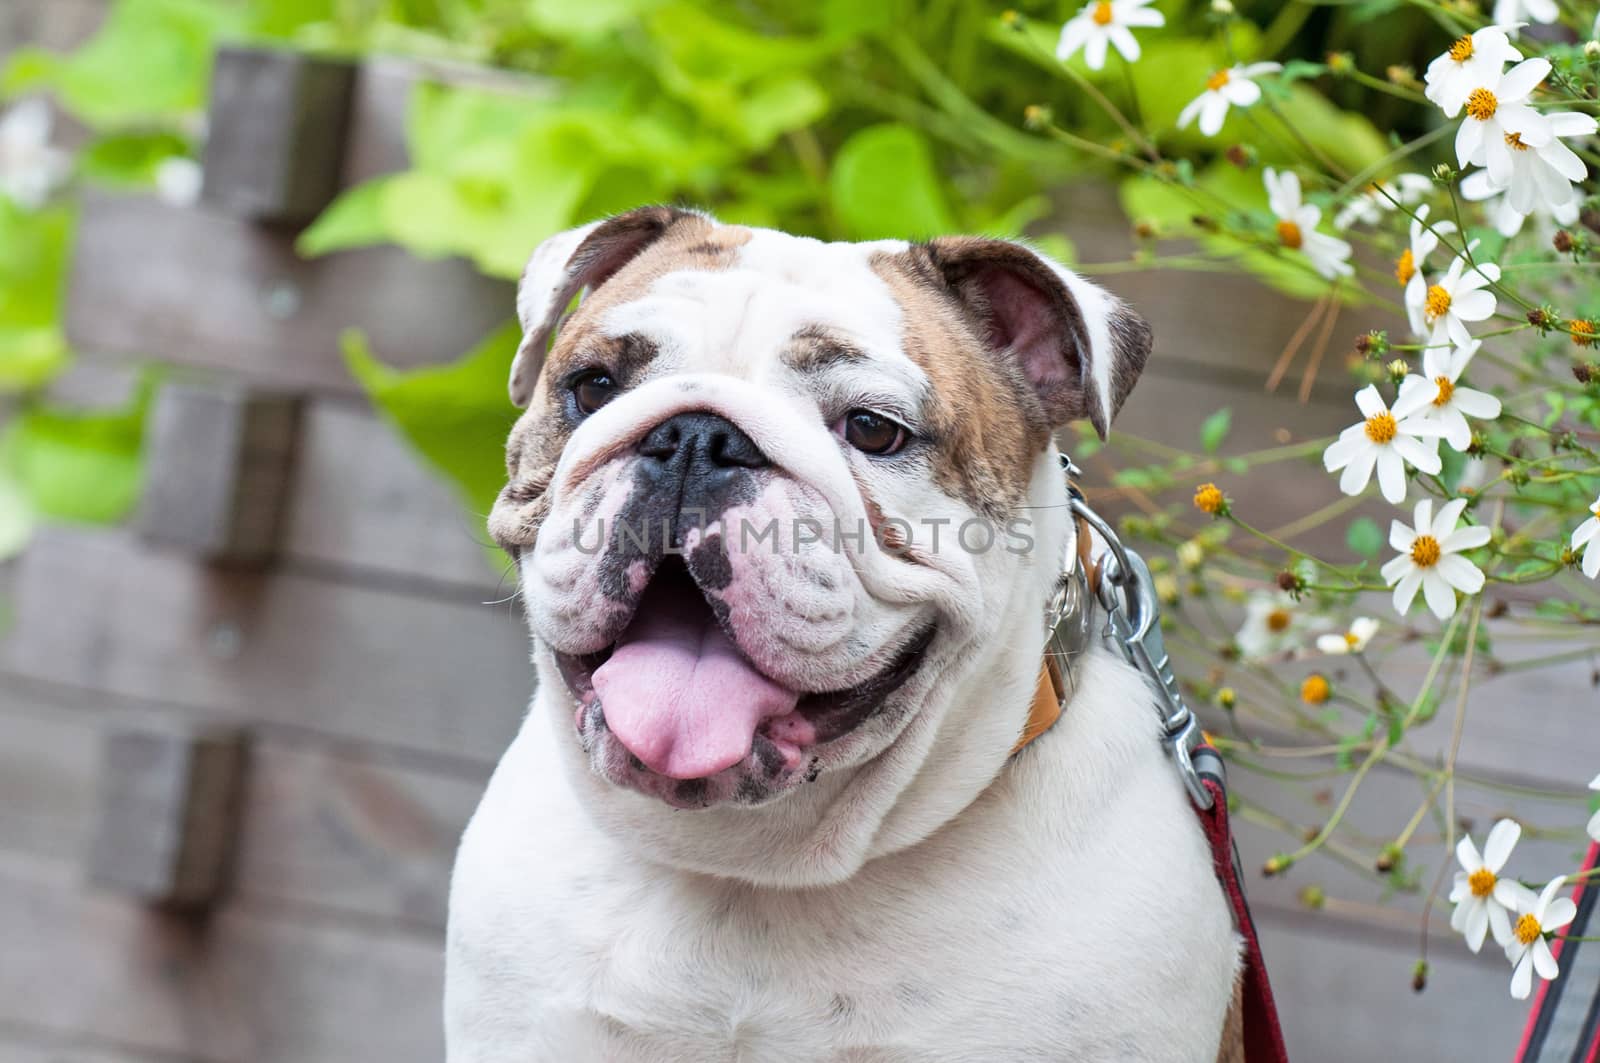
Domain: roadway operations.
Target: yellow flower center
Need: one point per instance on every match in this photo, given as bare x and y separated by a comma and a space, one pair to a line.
1351, 639
1217, 80
1482, 882
1381, 427
1425, 551
1208, 498
1583, 332
1316, 689
1528, 929
1278, 621
1289, 234
1514, 140
1595, 509
1102, 13
1482, 105
1461, 50
1405, 267
1447, 389
1437, 304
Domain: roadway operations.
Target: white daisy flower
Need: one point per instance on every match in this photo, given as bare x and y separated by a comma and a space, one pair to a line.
1408, 267
1498, 117
1106, 22
1594, 784
1468, 63
1353, 640
1484, 901
1370, 206
1587, 536
1297, 226
1457, 298
1225, 88
1385, 442
1528, 950
30, 169
1430, 558
1512, 13
1273, 624
1433, 395
1506, 219
1543, 176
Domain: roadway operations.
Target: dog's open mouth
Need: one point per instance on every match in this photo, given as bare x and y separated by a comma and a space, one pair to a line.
678, 694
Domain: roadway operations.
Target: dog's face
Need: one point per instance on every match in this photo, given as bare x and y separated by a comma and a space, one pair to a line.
770, 494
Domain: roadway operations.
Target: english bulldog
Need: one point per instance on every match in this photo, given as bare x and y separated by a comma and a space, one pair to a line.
785, 516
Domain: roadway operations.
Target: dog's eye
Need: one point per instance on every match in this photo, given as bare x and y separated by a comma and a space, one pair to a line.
873, 433
593, 390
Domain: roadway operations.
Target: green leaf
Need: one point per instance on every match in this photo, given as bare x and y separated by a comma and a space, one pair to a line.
457, 416
1215, 429
884, 184
1364, 537
355, 219
129, 158
565, 20
78, 465
33, 261
150, 61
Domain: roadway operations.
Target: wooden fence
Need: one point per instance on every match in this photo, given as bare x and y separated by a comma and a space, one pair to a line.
239, 739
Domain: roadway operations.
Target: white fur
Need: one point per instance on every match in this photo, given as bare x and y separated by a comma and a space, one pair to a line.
929, 897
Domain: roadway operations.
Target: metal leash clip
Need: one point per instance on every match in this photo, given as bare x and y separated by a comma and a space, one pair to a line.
1133, 621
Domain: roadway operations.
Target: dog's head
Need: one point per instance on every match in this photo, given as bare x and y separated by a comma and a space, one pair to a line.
772, 499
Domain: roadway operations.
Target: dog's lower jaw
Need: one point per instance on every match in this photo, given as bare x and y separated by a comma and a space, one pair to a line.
1068, 912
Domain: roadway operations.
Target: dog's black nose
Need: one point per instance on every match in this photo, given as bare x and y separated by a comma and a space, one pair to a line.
704, 442
694, 466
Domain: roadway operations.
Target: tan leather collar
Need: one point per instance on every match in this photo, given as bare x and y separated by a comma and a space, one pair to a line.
1050, 693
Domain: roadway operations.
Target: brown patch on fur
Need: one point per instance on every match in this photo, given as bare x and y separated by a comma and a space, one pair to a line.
986, 423
1231, 1050
687, 241
817, 347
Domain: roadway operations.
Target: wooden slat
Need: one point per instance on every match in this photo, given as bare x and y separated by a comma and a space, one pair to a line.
277, 122
217, 464
196, 288
169, 811
94, 611
320, 830
363, 502
247, 985
1345, 996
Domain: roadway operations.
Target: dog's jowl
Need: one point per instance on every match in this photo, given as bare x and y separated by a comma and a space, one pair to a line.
785, 516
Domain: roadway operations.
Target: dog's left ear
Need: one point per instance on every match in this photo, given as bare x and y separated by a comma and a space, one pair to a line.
570, 262
1080, 348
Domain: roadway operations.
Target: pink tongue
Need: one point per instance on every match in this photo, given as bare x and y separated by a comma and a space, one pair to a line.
677, 693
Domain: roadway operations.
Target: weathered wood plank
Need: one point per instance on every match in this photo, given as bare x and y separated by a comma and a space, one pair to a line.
95, 612
169, 810
1347, 996
323, 830
277, 122
362, 501
247, 985
217, 463
202, 289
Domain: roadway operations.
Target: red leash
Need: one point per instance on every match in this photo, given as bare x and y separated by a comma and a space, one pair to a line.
1263, 1036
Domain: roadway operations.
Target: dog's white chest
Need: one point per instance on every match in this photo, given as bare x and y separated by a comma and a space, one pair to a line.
1027, 929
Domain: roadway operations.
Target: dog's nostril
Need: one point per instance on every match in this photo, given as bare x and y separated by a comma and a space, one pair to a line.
702, 437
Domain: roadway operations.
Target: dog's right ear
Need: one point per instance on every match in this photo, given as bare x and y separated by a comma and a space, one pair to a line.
569, 262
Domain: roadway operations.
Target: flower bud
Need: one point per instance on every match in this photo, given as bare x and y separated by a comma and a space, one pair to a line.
1227, 698
1316, 689
1222, 7
1036, 116
1591, 50
1562, 241
1419, 976
1291, 582
1313, 897
1388, 857
1585, 371
1444, 172
1208, 498
1276, 865
1191, 555
1398, 370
